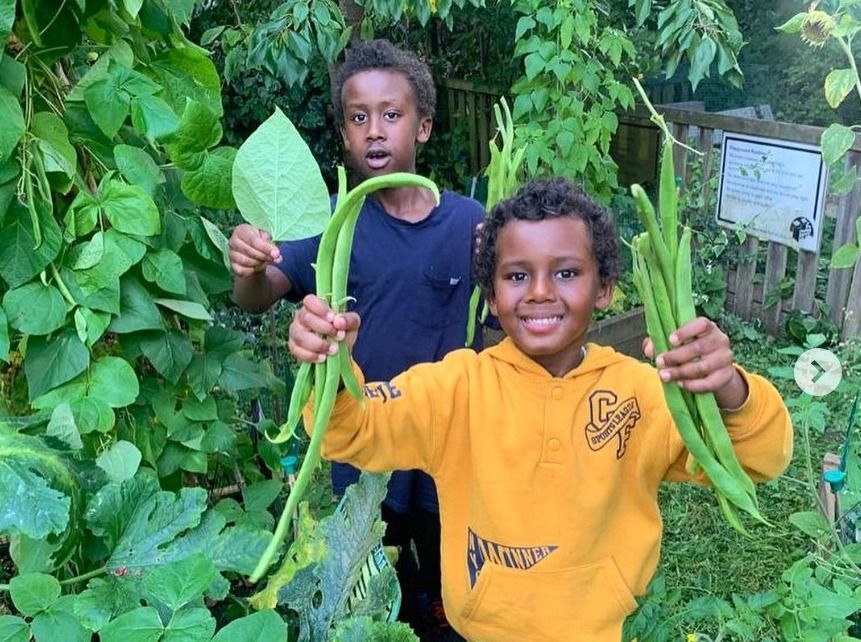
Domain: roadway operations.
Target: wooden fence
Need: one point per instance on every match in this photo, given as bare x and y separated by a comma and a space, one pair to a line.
760, 269
762, 265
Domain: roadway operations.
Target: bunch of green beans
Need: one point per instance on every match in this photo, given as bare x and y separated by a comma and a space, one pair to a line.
332, 271
502, 182
662, 275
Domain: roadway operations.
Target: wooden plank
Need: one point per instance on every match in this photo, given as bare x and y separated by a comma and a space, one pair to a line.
767, 128
705, 146
485, 113
744, 277
828, 501
680, 154
839, 281
472, 123
463, 85
805, 281
852, 322
775, 270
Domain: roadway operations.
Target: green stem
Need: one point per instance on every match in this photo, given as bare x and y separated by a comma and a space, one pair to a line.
660, 122
84, 577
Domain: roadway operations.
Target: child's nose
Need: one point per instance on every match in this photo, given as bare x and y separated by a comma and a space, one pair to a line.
375, 130
541, 288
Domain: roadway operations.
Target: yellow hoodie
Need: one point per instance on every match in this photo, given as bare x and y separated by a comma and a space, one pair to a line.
547, 486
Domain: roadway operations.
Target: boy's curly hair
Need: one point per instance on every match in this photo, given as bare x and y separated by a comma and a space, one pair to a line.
542, 199
381, 54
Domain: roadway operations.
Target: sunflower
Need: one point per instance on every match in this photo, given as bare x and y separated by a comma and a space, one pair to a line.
817, 28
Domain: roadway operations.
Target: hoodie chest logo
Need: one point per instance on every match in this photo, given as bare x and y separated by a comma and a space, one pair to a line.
611, 420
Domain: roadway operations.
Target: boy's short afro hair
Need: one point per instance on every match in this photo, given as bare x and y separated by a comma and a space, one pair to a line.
381, 54
542, 199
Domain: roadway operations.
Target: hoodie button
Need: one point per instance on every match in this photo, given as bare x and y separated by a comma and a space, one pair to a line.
554, 444
557, 393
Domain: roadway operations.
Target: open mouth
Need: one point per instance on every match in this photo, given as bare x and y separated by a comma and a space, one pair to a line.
377, 158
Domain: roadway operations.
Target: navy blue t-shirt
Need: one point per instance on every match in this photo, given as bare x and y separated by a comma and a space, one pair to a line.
411, 283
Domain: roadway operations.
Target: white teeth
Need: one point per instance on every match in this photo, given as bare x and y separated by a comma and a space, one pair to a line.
542, 320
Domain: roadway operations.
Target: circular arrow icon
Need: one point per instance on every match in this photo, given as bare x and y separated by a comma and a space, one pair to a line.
818, 372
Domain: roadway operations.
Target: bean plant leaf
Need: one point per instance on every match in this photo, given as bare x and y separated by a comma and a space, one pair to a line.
169, 353
138, 168
33, 592
198, 130
63, 427
19, 261
218, 240
141, 625
835, 142
35, 308
277, 183
120, 53
12, 125
137, 309
108, 104
54, 361
12, 72
90, 325
153, 117
12, 628
164, 268
130, 209
120, 461
187, 73
59, 624
113, 381
209, 184
810, 523
188, 309
203, 373
838, 84
264, 625
58, 153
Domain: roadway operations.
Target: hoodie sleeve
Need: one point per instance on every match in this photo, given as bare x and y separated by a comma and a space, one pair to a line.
760, 430
399, 424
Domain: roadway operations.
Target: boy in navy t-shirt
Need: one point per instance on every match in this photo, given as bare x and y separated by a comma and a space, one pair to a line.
411, 263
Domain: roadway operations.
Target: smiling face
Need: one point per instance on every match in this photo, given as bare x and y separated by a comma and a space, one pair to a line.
382, 125
545, 287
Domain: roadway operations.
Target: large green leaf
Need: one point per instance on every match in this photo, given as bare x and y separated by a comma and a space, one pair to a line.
19, 261
33, 592
189, 625
188, 74
845, 256
113, 380
137, 309
182, 582
10, 171
108, 104
835, 142
14, 629
59, 624
138, 168
12, 125
264, 625
164, 268
39, 495
90, 325
57, 151
182, 10
89, 253
203, 373
112, 507
210, 184
12, 73
62, 426
169, 353
198, 130
277, 183
218, 240
120, 461
838, 84
35, 308
188, 309
114, 260
54, 361
153, 117
141, 625
119, 53
130, 209
106, 299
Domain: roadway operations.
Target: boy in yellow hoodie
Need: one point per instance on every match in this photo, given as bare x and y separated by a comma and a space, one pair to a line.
547, 454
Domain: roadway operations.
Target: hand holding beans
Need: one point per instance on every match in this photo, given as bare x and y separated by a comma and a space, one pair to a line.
316, 330
251, 250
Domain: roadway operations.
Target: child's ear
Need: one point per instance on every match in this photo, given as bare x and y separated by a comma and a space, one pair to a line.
605, 295
491, 303
344, 138
424, 131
